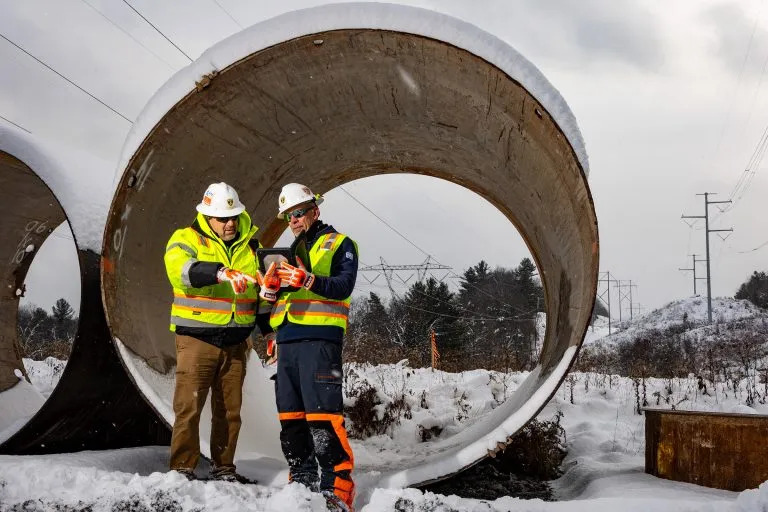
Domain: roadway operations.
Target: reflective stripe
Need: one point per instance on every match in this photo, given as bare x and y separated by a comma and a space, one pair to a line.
264, 307
198, 309
278, 309
291, 415
202, 304
328, 243
185, 272
188, 322
203, 240
184, 247
204, 298
318, 307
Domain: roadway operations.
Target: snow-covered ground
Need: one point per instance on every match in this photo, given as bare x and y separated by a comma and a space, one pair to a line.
603, 470
691, 312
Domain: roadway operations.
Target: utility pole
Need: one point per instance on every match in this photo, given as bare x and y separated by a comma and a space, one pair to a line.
608, 281
693, 268
625, 296
631, 308
707, 231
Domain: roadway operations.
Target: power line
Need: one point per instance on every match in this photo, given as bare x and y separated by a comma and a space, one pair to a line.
14, 124
386, 223
157, 29
479, 289
67, 79
227, 13
755, 249
128, 34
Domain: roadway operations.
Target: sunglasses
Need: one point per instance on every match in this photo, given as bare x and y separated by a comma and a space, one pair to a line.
299, 212
224, 220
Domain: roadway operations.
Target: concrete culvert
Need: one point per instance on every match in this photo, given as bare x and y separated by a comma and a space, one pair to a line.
94, 404
325, 96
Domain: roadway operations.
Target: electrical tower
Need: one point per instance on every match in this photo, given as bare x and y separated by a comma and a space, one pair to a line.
693, 268
625, 296
389, 271
707, 231
605, 277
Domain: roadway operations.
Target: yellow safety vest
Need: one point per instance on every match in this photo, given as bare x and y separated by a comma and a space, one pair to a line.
307, 308
215, 305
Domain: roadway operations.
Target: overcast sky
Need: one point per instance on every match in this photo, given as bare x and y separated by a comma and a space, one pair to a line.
671, 99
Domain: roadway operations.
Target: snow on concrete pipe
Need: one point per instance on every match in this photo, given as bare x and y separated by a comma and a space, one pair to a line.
94, 405
332, 94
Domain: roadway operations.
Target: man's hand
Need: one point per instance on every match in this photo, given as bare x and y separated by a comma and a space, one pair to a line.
271, 348
269, 283
296, 276
238, 280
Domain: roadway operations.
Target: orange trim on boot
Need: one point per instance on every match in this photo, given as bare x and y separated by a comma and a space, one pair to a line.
345, 490
291, 415
337, 420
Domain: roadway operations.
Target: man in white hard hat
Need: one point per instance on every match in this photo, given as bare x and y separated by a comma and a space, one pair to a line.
211, 266
310, 324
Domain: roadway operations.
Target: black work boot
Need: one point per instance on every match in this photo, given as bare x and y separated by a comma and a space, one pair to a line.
186, 473
229, 475
334, 503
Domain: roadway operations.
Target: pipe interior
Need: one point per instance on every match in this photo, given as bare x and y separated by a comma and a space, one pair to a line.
358, 104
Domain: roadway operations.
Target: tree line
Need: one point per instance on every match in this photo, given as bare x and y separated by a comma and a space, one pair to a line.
42, 334
489, 322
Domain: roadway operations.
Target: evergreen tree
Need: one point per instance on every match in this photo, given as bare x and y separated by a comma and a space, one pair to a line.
62, 311
755, 290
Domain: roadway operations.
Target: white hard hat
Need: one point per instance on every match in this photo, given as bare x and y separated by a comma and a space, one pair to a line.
293, 194
220, 200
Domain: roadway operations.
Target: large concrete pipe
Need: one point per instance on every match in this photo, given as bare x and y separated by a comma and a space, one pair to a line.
332, 94
95, 405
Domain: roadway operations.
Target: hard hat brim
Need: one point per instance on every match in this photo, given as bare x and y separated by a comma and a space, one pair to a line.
212, 211
317, 200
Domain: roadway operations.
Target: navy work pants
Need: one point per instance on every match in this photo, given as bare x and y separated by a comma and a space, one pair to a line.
310, 405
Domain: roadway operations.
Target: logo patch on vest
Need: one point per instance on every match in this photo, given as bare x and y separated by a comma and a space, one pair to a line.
349, 256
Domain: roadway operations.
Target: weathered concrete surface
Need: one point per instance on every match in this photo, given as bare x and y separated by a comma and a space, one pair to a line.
29, 213
725, 451
328, 108
95, 405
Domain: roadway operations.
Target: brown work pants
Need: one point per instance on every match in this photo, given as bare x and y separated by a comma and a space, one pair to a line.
201, 366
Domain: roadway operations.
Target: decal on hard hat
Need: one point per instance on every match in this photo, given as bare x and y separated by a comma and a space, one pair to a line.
207, 197
230, 202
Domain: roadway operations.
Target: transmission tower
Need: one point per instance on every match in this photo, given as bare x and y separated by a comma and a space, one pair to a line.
625, 296
707, 231
605, 277
693, 269
389, 271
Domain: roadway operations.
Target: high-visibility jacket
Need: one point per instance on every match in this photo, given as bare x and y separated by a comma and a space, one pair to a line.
216, 305
307, 308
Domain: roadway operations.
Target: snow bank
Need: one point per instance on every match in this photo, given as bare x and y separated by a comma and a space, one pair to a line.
603, 469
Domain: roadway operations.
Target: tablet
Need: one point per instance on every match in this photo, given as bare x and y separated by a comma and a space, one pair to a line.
267, 256
274, 254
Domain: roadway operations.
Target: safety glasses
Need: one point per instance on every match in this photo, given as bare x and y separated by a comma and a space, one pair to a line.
298, 212
224, 220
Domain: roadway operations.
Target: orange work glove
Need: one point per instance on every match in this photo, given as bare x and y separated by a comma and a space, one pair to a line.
269, 283
271, 348
296, 276
238, 280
